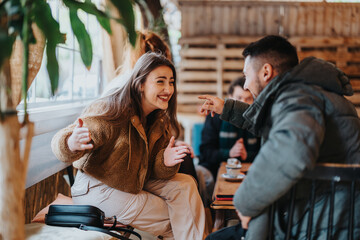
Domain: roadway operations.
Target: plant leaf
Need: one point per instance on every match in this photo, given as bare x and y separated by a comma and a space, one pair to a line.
91, 8
41, 13
126, 11
52, 66
82, 36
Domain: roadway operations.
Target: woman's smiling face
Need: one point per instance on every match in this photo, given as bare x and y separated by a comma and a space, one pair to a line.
157, 89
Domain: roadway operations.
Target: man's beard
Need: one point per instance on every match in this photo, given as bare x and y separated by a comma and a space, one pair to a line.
258, 88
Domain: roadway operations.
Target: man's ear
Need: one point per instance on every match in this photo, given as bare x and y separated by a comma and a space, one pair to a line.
267, 72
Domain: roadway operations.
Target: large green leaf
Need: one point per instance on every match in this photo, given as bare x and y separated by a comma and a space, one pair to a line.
90, 8
52, 66
41, 14
82, 36
126, 11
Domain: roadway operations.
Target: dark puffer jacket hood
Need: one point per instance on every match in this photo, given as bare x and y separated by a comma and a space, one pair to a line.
324, 74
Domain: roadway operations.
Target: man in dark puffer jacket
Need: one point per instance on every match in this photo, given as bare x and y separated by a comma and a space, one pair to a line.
303, 118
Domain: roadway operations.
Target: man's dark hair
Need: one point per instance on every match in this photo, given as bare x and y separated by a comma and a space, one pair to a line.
274, 50
240, 81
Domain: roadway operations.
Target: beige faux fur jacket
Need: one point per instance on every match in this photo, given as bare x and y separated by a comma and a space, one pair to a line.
123, 158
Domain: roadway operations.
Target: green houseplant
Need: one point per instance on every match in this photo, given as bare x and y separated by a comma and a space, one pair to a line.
18, 19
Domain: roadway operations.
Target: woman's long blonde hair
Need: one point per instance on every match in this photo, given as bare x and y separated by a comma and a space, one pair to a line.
125, 102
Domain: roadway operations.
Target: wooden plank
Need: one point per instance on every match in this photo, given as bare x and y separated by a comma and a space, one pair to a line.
355, 19
310, 21
211, 64
43, 193
319, 20
324, 41
214, 39
219, 70
301, 21
197, 87
262, 25
341, 60
252, 20
192, 26
355, 84
201, 23
351, 70
216, 20
293, 16
198, 64
189, 99
242, 18
188, 108
197, 76
231, 75
226, 21
355, 99
210, 52
340, 55
184, 21
234, 64
346, 21
209, 19
329, 21
338, 23
235, 24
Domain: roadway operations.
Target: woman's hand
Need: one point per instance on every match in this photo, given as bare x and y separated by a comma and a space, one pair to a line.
174, 155
182, 143
80, 138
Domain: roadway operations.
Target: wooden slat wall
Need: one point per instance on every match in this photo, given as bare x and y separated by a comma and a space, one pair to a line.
215, 32
257, 18
210, 63
43, 193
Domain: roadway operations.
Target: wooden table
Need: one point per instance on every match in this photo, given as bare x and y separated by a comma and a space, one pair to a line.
223, 187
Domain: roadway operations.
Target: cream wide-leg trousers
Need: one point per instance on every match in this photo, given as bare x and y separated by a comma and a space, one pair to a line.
169, 208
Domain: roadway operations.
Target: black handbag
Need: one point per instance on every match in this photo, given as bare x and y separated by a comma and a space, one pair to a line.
84, 217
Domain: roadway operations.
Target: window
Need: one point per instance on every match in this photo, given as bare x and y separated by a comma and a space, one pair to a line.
76, 83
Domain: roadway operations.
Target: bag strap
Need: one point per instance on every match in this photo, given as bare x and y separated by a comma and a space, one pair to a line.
113, 227
118, 236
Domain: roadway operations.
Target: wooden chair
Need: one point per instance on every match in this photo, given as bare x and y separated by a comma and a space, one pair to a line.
334, 174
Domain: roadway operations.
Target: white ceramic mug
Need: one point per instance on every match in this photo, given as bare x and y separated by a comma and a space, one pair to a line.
233, 170
233, 161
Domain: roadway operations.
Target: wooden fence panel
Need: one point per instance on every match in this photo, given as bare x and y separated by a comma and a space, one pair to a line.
210, 63
257, 18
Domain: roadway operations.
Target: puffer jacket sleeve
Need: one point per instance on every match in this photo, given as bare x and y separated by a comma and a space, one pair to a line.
233, 112
293, 143
99, 133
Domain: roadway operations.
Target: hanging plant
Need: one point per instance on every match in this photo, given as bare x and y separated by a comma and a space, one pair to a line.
20, 20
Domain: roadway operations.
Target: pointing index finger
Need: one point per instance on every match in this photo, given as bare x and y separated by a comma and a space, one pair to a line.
207, 97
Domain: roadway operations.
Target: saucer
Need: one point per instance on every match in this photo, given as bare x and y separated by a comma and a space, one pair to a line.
232, 179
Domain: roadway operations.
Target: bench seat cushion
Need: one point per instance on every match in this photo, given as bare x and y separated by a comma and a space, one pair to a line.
40, 231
